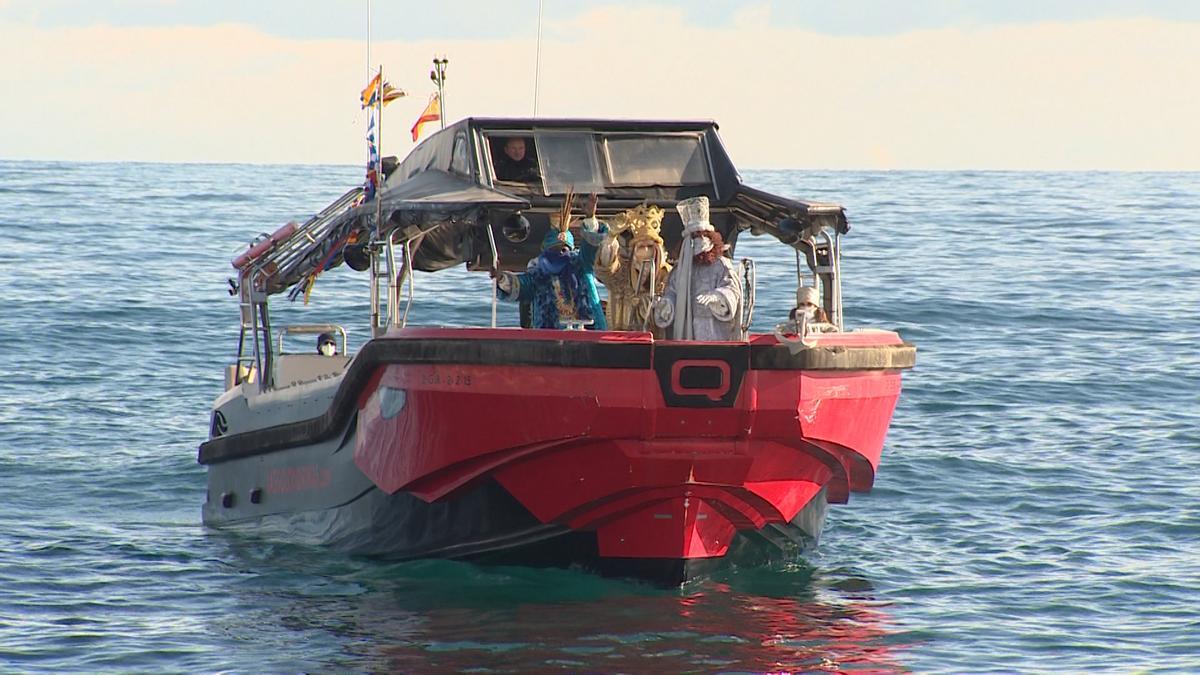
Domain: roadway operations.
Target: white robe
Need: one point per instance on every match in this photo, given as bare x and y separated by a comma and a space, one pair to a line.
714, 299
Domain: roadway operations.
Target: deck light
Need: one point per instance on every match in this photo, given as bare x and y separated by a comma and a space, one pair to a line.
516, 228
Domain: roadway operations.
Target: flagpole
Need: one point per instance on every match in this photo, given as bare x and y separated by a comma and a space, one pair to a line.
391, 279
537, 65
379, 156
367, 111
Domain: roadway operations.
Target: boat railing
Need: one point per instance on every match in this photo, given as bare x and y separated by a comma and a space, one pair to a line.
311, 235
396, 280
750, 283
495, 266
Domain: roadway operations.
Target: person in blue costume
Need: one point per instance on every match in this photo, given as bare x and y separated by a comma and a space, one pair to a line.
559, 283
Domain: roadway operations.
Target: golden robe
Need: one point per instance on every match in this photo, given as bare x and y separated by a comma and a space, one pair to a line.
628, 281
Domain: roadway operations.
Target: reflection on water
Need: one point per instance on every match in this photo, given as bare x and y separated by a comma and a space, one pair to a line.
444, 615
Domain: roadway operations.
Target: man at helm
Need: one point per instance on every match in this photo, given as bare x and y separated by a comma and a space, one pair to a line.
703, 297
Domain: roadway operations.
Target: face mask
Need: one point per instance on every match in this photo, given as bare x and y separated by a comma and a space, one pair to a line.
807, 312
328, 349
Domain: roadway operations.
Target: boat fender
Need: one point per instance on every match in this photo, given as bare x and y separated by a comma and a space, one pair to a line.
256, 251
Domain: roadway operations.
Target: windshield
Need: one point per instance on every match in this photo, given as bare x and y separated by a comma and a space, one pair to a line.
570, 161
589, 161
656, 160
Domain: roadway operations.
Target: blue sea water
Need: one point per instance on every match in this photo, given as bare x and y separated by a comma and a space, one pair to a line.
1037, 508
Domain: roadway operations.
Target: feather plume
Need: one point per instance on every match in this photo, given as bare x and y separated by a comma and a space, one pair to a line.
564, 217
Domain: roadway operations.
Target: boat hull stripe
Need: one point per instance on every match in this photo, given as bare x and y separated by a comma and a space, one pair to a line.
546, 353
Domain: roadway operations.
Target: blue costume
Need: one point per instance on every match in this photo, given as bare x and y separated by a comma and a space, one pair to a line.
559, 283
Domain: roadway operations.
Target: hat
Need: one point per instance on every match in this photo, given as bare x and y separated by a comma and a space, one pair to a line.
324, 338
694, 212
644, 222
555, 237
807, 294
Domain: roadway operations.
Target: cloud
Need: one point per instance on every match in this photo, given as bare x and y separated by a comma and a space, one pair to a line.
1098, 94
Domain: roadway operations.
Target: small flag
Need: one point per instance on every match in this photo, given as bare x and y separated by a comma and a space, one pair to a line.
391, 93
371, 183
369, 186
370, 95
371, 91
432, 113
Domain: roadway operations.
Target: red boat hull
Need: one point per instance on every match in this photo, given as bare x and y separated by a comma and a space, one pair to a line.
668, 455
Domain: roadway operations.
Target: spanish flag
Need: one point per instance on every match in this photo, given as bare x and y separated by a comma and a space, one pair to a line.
433, 113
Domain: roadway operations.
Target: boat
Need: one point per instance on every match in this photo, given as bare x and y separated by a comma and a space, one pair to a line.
615, 451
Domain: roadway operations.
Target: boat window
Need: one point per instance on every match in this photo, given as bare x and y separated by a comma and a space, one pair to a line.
515, 159
656, 160
570, 161
460, 162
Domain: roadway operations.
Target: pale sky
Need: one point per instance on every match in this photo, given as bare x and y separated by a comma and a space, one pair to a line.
801, 84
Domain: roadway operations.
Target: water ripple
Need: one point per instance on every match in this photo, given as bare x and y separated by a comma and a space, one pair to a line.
1036, 508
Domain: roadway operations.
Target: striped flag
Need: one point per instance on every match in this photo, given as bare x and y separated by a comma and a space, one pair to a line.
371, 184
432, 113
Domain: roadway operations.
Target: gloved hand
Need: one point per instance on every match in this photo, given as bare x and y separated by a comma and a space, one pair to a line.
711, 301
664, 312
593, 230
504, 281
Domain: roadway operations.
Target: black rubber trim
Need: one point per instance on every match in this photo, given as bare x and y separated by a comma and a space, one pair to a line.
886, 357
385, 351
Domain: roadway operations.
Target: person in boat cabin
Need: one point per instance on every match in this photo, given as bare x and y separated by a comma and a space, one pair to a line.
326, 345
515, 162
560, 283
703, 294
632, 265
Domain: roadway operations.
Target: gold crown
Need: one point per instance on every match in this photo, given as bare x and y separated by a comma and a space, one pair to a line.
643, 222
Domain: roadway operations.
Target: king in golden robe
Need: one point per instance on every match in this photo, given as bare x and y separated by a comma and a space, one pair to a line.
632, 264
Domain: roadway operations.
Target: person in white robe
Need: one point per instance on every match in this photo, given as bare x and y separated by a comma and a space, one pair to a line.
703, 297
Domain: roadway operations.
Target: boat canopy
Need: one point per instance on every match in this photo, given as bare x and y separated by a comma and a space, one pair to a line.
450, 189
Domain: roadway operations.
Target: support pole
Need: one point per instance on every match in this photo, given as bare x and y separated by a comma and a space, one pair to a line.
438, 75
495, 268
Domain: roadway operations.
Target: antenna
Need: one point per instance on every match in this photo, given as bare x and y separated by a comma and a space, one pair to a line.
537, 68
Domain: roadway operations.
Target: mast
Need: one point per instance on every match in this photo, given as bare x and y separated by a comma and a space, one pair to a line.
377, 248
537, 66
379, 155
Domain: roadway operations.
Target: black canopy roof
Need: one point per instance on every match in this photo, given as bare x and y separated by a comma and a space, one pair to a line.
445, 192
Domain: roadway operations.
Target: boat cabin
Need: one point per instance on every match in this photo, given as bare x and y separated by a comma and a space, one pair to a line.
480, 193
